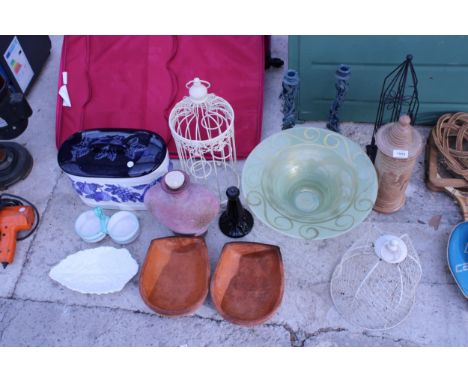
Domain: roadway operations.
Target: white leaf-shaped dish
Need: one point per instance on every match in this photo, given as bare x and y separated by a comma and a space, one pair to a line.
98, 270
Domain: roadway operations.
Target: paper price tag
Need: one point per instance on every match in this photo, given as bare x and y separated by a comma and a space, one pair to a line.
400, 154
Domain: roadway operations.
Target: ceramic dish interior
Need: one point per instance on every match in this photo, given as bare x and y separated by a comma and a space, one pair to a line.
247, 286
174, 277
123, 227
309, 183
89, 227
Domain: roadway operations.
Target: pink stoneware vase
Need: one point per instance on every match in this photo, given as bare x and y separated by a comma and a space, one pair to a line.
185, 208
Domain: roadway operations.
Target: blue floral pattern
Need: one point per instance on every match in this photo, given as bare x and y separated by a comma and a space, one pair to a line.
114, 192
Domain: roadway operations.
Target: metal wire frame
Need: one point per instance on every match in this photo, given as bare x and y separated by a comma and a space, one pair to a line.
363, 290
204, 137
396, 93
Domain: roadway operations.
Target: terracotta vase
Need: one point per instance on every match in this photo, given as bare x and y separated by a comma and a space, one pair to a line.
185, 208
399, 145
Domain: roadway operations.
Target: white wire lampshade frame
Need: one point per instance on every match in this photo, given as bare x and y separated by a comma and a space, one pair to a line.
202, 126
371, 293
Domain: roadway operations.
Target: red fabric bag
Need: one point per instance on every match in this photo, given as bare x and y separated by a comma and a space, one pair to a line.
134, 81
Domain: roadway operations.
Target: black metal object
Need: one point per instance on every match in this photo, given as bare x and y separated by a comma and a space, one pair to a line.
15, 164
343, 74
290, 89
15, 161
236, 221
270, 61
399, 96
274, 62
14, 112
36, 49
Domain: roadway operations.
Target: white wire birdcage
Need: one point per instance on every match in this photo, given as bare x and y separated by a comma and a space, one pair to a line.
374, 285
202, 126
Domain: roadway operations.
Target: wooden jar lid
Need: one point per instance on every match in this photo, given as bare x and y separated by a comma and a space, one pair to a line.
399, 136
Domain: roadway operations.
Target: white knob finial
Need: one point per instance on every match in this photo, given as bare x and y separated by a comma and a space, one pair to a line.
198, 91
391, 248
392, 245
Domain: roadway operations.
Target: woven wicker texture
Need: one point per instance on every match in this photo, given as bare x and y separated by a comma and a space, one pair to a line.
450, 135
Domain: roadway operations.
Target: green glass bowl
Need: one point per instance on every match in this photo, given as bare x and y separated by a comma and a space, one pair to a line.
309, 183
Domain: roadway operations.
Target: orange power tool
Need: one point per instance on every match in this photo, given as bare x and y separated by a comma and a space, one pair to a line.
12, 220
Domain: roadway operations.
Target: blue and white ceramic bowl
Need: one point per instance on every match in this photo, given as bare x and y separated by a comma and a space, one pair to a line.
113, 168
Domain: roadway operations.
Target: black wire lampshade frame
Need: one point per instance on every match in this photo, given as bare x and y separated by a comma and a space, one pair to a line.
399, 96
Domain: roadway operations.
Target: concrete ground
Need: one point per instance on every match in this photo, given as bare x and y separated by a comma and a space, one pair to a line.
36, 311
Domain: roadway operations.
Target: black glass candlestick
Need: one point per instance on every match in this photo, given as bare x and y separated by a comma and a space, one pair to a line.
236, 221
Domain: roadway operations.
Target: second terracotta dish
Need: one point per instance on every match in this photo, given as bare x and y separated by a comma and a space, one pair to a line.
247, 286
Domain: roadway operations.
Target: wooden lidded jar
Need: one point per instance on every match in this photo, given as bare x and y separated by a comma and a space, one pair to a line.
399, 145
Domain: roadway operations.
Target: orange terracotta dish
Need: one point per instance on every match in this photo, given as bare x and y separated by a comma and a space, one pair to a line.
175, 275
248, 284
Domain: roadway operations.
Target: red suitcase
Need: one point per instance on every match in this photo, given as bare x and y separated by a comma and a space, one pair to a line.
134, 81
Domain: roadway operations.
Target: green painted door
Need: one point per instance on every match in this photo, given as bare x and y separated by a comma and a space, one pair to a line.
441, 65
